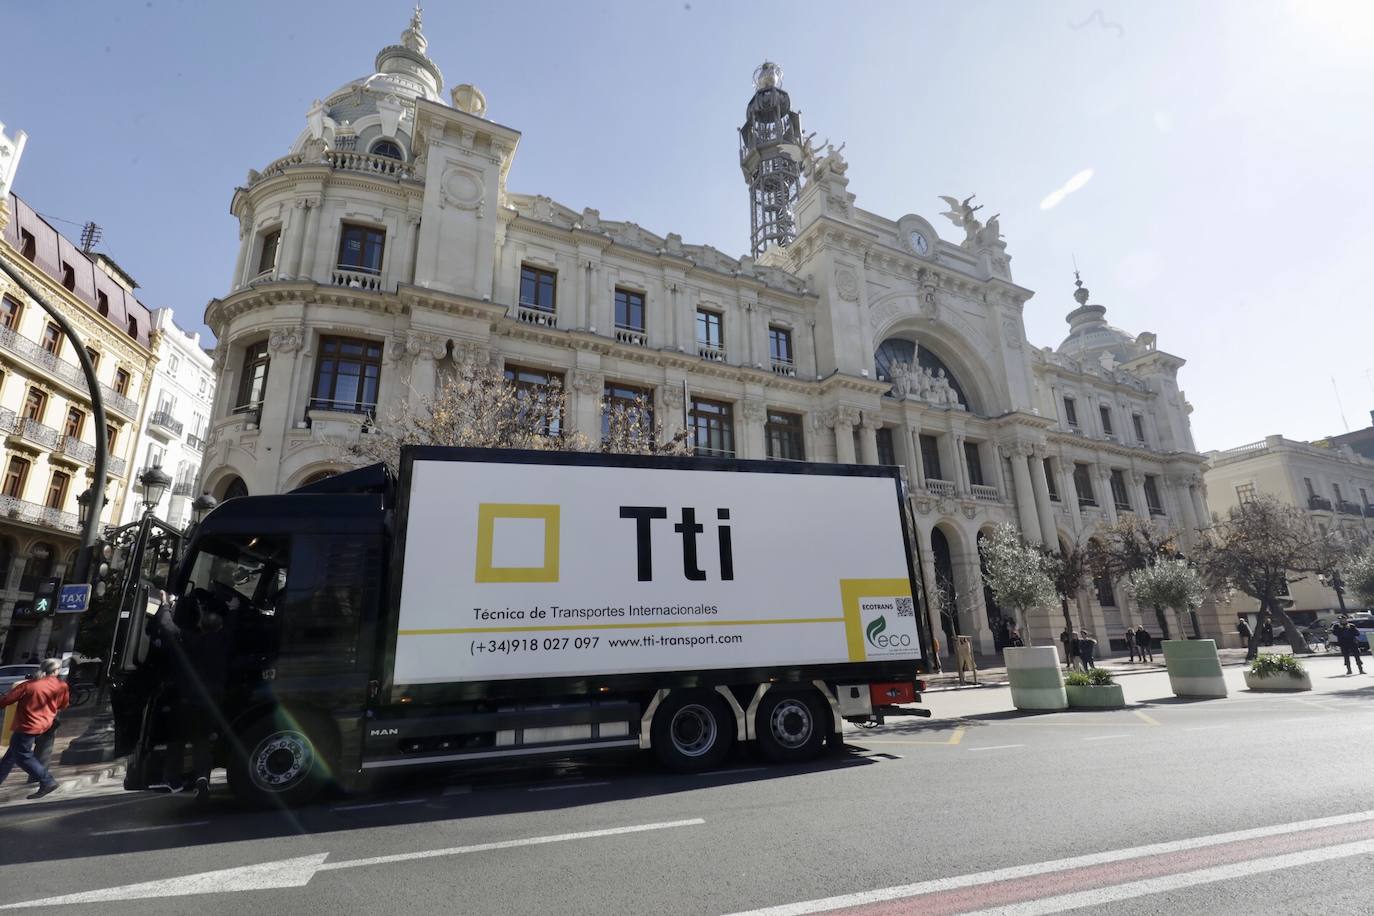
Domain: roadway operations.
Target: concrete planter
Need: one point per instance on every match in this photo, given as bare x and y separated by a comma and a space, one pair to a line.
1194, 668
1033, 674
1090, 696
1282, 681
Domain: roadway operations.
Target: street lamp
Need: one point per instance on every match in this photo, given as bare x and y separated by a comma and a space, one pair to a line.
83, 505
155, 483
201, 505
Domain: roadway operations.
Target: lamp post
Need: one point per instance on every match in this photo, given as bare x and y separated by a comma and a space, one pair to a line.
202, 505
155, 482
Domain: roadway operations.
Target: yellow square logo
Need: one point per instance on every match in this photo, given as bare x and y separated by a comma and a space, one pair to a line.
487, 514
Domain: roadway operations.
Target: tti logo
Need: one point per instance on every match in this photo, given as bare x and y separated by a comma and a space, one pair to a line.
689, 528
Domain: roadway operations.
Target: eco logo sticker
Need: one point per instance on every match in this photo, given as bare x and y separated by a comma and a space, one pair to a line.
874, 629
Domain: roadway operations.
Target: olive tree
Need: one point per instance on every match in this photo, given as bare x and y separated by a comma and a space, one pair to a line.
1357, 574
1129, 546
1019, 574
1169, 584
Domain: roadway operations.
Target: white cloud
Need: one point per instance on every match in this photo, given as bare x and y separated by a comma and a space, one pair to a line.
1055, 197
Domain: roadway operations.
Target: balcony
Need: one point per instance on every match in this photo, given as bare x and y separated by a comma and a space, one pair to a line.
357, 278
68, 373
24, 511
1156, 510
1319, 503
251, 414
711, 352
115, 467
7, 420
635, 337
527, 314
939, 487
985, 494
163, 421
339, 160
35, 432
76, 450
195, 442
1347, 508
184, 488
783, 367
349, 406
1087, 502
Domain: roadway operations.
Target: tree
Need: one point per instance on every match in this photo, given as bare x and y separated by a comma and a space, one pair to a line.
478, 407
1169, 583
1018, 573
1357, 574
1260, 548
1067, 569
1128, 546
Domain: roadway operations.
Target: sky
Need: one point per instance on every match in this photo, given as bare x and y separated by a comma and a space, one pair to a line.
1207, 165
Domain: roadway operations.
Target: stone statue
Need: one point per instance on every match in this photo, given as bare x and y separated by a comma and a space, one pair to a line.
901, 379
961, 214
924, 383
990, 234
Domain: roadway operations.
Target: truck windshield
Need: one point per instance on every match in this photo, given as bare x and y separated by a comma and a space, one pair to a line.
253, 569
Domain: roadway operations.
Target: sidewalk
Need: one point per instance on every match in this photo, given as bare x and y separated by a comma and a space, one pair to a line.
17, 787
992, 672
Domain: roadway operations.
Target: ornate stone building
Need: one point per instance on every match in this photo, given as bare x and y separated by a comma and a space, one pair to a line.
45, 416
386, 244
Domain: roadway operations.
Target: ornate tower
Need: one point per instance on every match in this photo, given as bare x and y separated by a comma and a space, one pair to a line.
770, 155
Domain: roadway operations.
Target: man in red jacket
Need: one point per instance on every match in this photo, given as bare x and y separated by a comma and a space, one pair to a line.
39, 701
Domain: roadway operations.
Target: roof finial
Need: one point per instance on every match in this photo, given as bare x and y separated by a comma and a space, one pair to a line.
413, 37
1080, 294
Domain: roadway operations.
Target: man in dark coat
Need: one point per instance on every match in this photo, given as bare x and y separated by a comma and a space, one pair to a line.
200, 661
1144, 642
1247, 637
1348, 638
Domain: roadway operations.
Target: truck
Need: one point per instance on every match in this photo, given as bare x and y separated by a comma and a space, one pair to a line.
486, 605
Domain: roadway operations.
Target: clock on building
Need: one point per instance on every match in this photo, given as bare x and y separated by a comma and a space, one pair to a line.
917, 240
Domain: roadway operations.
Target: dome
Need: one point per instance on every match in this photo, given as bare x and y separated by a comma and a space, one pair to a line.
1090, 335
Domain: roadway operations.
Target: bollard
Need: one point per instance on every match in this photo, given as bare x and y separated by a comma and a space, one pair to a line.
1194, 668
1033, 672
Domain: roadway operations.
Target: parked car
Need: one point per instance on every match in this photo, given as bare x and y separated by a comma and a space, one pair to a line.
1321, 630
13, 674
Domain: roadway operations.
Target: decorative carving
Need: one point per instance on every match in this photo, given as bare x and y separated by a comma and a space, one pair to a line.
462, 188
413, 345
588, 382
969, 510
922, 504
960, 213
672, 396
1011, 333
846, 284
755, 411
847, 416
282, 340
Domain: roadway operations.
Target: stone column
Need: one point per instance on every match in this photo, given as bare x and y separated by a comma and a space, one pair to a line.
1068, 492
1142, 505
1043, 508
245, 244
1104, 493
961, 479
843, 424
927, 573
1181, 494
306, 269
972, 575
755, 441
669, 410
1204, 518
16, 572
1025, 497
588, 387
868, 439
293, 237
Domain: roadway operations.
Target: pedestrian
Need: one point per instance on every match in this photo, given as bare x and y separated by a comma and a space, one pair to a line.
1247, 637
1143, 643
1348, 637
1087, 649
1075, 652
1267, 631
1066, 639
1014, 637
38, 702
200, 660
1130, 642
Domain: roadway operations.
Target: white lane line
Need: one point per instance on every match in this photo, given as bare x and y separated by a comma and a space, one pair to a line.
996, 747
734, 771
457, 790
567, 785
1146, 886
1105, 737
146, 829
297, 872
1204, 728
845, 901
385, 804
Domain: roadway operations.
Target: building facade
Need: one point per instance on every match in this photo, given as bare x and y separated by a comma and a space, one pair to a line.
45, 411
177, 419
386, 246
1334, 484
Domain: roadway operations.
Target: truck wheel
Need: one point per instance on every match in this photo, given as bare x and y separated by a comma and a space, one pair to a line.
791, 727
279, 761
693, 730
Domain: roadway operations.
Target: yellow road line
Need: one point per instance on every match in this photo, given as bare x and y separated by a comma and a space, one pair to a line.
653, 625
1146, 717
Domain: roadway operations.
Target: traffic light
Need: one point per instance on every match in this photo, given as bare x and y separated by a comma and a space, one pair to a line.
45, 596
105, 568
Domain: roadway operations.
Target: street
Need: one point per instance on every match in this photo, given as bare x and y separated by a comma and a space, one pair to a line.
1258, 801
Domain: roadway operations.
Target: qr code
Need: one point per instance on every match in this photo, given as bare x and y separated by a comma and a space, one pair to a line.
905, 608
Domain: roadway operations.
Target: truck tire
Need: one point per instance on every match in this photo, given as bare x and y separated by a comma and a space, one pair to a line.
280, 761
693, 730
791, 726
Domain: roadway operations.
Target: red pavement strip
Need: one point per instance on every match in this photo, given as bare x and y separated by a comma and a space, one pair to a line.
1042, 881
1019, 890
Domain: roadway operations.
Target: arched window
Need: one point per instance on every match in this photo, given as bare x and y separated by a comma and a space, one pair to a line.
388, 149
896, 349
234, 488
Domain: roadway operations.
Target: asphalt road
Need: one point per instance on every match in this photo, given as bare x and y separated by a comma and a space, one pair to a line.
1253, 803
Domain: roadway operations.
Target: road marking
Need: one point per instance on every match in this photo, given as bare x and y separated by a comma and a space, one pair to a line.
731, 772
1142, 888
977, 879
1204, 728
146, 829
1315, 705
566, 785
996, 747
297, 872
1146, 717
955, 737
1104, 737
385, 804
457, 790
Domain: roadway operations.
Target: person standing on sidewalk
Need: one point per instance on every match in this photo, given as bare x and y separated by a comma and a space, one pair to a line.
1348, 638
1087, 650
1143, 643
1247, 637
1066, 639
39, 701
1130, 642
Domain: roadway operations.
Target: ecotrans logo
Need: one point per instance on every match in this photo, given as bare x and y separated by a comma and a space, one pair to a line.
879, 638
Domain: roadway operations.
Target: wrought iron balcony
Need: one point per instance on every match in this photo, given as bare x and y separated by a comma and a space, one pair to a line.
25, 511
116, 466
77, 450
1319, 503
35, 432
184, 488
164, 420
348, 406
7, 419
195, 442
69, 373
